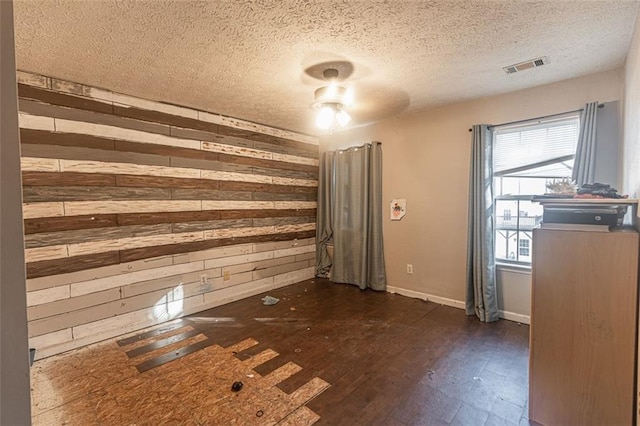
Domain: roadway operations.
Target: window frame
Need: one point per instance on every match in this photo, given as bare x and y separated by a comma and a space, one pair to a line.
561, 159
524, 247
518, 198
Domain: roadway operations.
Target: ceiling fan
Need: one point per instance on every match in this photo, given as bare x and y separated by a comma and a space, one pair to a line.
331, 102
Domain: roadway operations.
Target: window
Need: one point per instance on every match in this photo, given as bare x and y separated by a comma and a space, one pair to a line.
526, 157
523, 247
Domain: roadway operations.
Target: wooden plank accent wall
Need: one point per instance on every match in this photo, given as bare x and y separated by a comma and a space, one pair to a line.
137, 212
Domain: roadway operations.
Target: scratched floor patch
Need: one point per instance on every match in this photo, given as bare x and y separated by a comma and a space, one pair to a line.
170, 375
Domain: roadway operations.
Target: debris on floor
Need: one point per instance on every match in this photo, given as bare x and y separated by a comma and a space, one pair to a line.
292, 308
236, 386
269, 300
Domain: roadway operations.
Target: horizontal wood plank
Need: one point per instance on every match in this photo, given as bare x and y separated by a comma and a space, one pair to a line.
201, 135
165, 150
208, 215
31, 79
293, 196
73, 208
90, 154
166, 182
68, 179
72, 304
62, 99
43, 137
293, 174
287, 220
261, 137
211, 224
164, 118
143, 253
91, 247
33, 194
36, 210
167, 217
89, 166
103, 130
39, 164
208, 194
264, 213
55, 111
69, 223
94, 235
195, 163
71, 264
266, 163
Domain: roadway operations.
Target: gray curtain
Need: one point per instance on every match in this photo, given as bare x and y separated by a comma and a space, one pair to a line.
350, 208
481, 298
584, 166
324, 222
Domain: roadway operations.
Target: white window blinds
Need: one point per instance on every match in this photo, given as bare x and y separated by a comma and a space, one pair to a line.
540, 145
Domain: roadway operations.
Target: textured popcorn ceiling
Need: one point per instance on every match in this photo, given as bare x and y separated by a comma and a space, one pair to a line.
247, 58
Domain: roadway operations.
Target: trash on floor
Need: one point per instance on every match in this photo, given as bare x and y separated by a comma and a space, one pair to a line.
268, 300
292, 308
236, 386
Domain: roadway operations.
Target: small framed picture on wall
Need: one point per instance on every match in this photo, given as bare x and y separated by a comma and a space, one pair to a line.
398, 208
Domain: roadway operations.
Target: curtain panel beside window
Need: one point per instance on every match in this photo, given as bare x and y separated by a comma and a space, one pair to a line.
481, 296
350, 215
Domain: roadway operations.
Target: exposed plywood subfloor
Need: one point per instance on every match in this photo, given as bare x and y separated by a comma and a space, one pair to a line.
170, 376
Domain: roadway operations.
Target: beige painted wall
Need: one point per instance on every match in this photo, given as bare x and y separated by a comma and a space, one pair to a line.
426, 160
15, 403
631, 144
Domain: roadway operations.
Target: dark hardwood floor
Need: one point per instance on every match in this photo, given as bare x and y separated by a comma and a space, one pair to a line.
390, 360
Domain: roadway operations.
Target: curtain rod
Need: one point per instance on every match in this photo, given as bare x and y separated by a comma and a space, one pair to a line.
364, 145
538, 118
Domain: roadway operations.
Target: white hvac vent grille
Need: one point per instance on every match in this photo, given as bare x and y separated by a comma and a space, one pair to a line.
531, 63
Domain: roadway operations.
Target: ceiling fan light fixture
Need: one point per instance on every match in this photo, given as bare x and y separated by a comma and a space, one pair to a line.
330, 115
330, 93
342, 117
326, 117
330, 74
330, 101
347, 99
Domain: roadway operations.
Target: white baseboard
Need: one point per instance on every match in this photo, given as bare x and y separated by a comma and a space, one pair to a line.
511, 316
427, 297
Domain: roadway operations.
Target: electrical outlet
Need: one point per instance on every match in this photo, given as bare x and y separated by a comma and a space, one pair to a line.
226, 276
409, 268
204, 281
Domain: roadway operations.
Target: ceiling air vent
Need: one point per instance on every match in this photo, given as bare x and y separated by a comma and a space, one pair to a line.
531, 63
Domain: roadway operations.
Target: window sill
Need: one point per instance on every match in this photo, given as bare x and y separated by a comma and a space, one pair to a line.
511, 267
